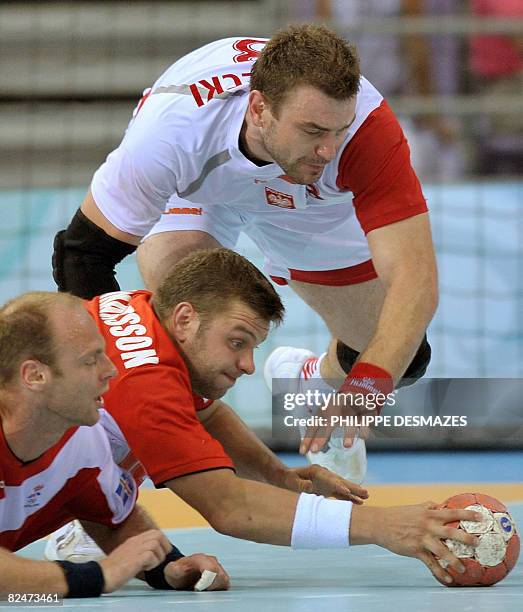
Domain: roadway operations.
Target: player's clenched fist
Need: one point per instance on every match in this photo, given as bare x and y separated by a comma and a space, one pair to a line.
414, 531
186, 572
139, 553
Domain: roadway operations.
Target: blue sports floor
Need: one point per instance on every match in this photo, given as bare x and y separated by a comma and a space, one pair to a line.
364, 579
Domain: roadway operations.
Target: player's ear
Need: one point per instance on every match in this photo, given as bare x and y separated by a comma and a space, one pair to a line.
184, 321
257, 106
34, 375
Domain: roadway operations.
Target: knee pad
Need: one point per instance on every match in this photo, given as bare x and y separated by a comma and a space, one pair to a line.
418, 366
346, 356
84, 258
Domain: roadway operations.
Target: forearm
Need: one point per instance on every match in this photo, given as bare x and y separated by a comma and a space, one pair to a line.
109, 538
239, 507
363, 525
20, 575
263, 513
407, 310
404, 259
252, 458
269, 518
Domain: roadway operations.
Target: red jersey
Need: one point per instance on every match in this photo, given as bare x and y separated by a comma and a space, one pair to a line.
151, 400
75, 478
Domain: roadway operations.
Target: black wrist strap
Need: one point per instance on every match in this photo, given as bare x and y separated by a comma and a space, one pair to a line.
155, 577
83, 579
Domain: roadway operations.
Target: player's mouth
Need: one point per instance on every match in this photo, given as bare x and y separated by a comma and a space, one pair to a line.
99, 398
231, 379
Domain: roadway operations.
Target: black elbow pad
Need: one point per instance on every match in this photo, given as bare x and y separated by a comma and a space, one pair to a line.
84, 258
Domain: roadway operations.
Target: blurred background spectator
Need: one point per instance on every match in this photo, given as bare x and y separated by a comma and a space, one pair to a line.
496, 65
412, 64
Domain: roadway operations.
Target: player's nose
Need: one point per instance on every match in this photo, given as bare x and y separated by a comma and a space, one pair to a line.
246, 363
327, 149
108, 368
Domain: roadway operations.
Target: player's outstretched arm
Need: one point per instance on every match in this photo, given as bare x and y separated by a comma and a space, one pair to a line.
262, 513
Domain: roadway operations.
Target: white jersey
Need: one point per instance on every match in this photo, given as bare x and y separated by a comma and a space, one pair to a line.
180, 156
75, 478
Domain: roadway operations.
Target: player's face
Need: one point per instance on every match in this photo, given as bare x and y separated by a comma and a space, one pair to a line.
221, 349
83, 369
307, 132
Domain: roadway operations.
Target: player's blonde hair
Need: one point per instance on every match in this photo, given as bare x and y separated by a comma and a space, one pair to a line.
210, 280
306, 55
26, 331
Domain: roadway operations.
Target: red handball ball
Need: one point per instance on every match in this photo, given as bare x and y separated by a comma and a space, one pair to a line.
498, 550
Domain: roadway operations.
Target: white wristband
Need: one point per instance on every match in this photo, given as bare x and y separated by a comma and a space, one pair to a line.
321, 523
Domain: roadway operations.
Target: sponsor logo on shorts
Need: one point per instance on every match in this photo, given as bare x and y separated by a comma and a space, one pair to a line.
183, 211
277, 198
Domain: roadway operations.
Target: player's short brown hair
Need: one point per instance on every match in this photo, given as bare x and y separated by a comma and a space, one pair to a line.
26, 331
210, 280
306, 55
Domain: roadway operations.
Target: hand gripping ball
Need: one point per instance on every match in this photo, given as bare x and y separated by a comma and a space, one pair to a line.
498, 550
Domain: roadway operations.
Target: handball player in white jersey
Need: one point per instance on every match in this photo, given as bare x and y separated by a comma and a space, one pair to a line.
286, 141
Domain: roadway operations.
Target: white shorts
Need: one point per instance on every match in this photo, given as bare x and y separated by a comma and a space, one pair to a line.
317, 244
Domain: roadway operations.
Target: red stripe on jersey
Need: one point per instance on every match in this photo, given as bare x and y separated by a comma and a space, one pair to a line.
309, 367
19, 471
375, 166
